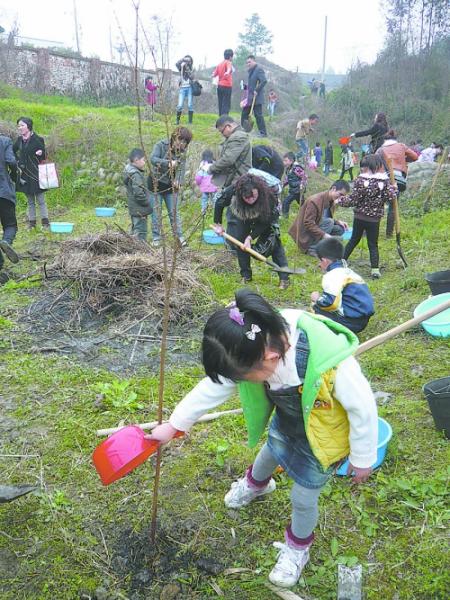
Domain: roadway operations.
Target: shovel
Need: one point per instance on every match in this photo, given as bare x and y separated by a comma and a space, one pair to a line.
262, 258
8, 493
247, 124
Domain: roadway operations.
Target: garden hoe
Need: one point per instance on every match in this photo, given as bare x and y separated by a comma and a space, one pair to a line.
262, 258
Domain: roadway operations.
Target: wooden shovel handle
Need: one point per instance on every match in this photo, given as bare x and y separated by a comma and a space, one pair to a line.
387, 335
240, 245
255, 93
395, 201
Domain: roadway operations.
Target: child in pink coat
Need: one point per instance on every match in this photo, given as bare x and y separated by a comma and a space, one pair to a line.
203, 180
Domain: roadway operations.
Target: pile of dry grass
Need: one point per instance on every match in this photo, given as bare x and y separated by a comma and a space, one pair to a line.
116, 270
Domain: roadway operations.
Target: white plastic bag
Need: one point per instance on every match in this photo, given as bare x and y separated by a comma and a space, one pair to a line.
48, 177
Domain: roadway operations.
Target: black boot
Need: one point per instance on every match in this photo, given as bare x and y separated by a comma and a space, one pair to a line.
9, 251
45, 223
390, 224
191, 114
178, 116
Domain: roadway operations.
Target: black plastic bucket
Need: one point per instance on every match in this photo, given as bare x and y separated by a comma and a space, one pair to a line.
437, 393
439, 282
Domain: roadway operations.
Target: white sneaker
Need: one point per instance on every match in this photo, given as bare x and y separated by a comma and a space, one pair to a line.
289, 565
242, 494
156, 243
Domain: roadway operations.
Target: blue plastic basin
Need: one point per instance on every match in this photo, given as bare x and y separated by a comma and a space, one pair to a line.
384, 435
61, 227
347, 234
439, 325
105, 211
211, 237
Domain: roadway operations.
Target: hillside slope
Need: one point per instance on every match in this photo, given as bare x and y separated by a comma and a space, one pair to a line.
65, 376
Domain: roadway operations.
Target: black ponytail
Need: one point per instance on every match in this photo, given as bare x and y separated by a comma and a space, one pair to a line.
226, 349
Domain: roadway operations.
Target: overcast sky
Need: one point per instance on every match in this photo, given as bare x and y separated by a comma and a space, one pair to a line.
205, 29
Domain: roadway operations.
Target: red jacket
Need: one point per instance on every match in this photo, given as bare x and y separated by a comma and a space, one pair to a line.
224, 71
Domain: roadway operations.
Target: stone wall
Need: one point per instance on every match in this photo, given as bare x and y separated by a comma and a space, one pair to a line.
47, 72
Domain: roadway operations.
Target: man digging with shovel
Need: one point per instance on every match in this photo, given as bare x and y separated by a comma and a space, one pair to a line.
253, 102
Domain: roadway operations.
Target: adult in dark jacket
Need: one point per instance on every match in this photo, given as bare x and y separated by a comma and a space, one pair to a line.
377, 132
267, 159
29, 149
8, 174
256, 210
168, 160
255, 86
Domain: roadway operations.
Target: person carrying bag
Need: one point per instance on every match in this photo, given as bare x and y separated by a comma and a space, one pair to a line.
29, 149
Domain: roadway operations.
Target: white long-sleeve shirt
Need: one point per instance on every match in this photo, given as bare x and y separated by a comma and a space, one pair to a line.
351, 389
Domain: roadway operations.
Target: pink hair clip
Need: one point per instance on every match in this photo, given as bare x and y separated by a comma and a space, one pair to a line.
236, 315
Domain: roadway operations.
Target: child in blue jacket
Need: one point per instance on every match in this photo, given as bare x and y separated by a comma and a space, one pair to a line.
345, 298
318, 153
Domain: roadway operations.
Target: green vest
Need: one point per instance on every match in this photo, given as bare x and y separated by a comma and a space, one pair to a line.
329, 344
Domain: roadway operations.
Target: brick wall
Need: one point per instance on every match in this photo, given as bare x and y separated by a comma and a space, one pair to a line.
47, 72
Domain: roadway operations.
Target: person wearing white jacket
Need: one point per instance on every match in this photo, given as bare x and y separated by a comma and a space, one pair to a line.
302, 366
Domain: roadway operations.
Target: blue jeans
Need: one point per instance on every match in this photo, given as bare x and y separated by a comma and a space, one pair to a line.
271, 108
139, 227
207, 198
171, 202
328, 225
288, 201
303, 149
185, 92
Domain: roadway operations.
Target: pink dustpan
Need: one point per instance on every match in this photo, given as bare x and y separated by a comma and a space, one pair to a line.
122, 452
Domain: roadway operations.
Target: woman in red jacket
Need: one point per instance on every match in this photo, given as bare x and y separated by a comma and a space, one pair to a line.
224, 73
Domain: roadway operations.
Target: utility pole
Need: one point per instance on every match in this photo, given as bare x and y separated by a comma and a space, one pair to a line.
75, 18
110, 45
324, 48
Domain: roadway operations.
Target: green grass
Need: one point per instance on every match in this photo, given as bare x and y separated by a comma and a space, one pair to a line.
66, 538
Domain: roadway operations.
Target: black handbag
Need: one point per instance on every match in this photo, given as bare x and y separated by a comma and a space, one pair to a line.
265, 244
196, 88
